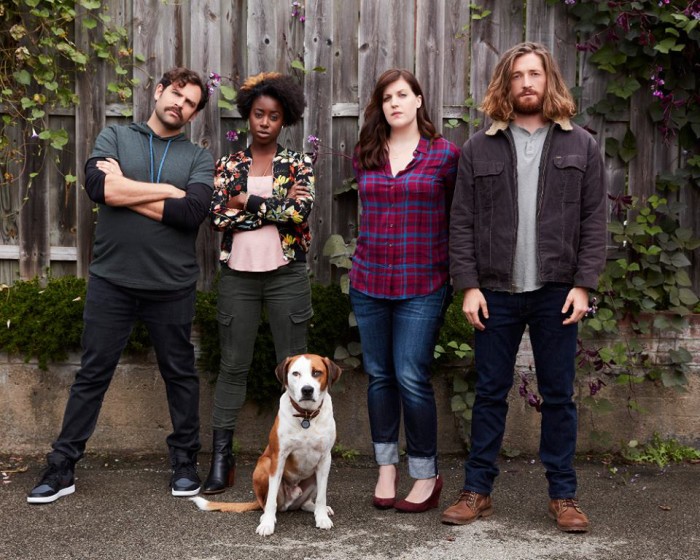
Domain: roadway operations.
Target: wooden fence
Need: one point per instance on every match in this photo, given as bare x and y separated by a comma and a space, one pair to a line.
47, 223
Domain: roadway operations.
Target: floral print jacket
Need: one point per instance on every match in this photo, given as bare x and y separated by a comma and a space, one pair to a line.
290, 216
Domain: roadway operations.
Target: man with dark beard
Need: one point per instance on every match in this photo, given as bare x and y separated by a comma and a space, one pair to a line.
527, 243
153, 187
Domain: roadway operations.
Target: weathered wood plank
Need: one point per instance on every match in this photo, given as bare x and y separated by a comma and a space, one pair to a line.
384, 41
345, 52
491, 36
430, 38
90, 118
10, 200
456, 61
318, 47
642, 171
157, 32
269, 46
233, 28
62, 194
34, 212
551, 25
205, 57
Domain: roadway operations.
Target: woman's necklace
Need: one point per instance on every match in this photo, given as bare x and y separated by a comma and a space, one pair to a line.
267, 169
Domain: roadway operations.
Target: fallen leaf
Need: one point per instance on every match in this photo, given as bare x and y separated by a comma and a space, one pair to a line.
665, 508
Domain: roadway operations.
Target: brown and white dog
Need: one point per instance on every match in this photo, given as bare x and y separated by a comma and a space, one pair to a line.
292, 472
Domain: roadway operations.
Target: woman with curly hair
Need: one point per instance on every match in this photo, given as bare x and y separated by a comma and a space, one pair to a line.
262, 199
399, 282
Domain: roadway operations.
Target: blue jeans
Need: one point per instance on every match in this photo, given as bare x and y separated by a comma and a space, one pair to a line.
554, 350
398, 339
109, 315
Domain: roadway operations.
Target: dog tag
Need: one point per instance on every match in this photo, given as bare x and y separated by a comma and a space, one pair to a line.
305, 423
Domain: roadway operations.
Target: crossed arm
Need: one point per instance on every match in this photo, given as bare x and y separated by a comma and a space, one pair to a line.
186, 209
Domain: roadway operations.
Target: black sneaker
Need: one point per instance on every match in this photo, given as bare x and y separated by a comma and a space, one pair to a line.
185, 481
56, 481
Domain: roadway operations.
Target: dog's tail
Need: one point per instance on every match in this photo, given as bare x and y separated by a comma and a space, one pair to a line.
236, 507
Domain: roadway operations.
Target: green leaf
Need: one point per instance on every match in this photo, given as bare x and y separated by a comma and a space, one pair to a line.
59, 138
687, 296
227, 92
665, 45
90, 4
624, 88
680, 260
460, 384
22, 77
628, 149
298, 65
223, 104
457, 404
89, 23
608, 58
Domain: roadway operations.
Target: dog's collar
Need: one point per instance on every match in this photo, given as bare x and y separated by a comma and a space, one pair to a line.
307, 415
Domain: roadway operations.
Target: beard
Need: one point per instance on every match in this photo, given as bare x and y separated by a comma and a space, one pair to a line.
531, 105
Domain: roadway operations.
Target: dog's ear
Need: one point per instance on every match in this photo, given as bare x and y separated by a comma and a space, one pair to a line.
334, 371
281, 371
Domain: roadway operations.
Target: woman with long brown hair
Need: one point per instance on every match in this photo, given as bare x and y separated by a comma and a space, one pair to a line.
399, 286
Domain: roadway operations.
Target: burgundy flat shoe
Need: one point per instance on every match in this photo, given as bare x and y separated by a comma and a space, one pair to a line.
387, 503
404, 506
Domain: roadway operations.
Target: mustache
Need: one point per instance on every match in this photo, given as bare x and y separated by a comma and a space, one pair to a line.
176, 109
527, 92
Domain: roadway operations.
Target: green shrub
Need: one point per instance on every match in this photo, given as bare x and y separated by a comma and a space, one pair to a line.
42, 322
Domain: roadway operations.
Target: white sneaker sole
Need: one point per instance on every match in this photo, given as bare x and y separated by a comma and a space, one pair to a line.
185, 493
53, 498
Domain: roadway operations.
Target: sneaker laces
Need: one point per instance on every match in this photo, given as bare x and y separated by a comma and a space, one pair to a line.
52, 475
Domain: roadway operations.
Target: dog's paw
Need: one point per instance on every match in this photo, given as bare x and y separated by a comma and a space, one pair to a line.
323, 522
266, 527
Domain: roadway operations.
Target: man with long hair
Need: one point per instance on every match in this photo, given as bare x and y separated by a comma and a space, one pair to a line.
527, 243
153, 188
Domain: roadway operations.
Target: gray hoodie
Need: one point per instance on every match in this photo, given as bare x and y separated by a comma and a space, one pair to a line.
132, 250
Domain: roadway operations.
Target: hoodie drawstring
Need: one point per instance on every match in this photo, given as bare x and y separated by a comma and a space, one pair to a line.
162, 160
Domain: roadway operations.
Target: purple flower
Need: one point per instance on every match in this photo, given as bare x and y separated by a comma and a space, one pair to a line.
213, 82
315, 142
569, 2
232, 136
595, 386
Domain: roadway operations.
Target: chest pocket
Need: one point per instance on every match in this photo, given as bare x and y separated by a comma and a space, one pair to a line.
487, 174
569, 174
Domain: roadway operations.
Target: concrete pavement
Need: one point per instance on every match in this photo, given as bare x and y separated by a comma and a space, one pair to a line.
122, 510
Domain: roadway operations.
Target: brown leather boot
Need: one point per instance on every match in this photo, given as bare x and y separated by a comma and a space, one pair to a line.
468, 507
568, 515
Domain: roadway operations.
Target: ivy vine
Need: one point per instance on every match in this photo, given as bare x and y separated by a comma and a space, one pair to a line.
39, 59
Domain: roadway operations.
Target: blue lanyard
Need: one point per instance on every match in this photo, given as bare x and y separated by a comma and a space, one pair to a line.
162, 160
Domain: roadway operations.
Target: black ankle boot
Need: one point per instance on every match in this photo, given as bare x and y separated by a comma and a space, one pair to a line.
223, 463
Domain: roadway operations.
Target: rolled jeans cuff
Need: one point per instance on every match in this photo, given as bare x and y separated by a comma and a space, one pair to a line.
422, 467
386, 453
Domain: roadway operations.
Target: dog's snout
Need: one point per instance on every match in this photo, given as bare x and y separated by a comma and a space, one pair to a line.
307, 391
